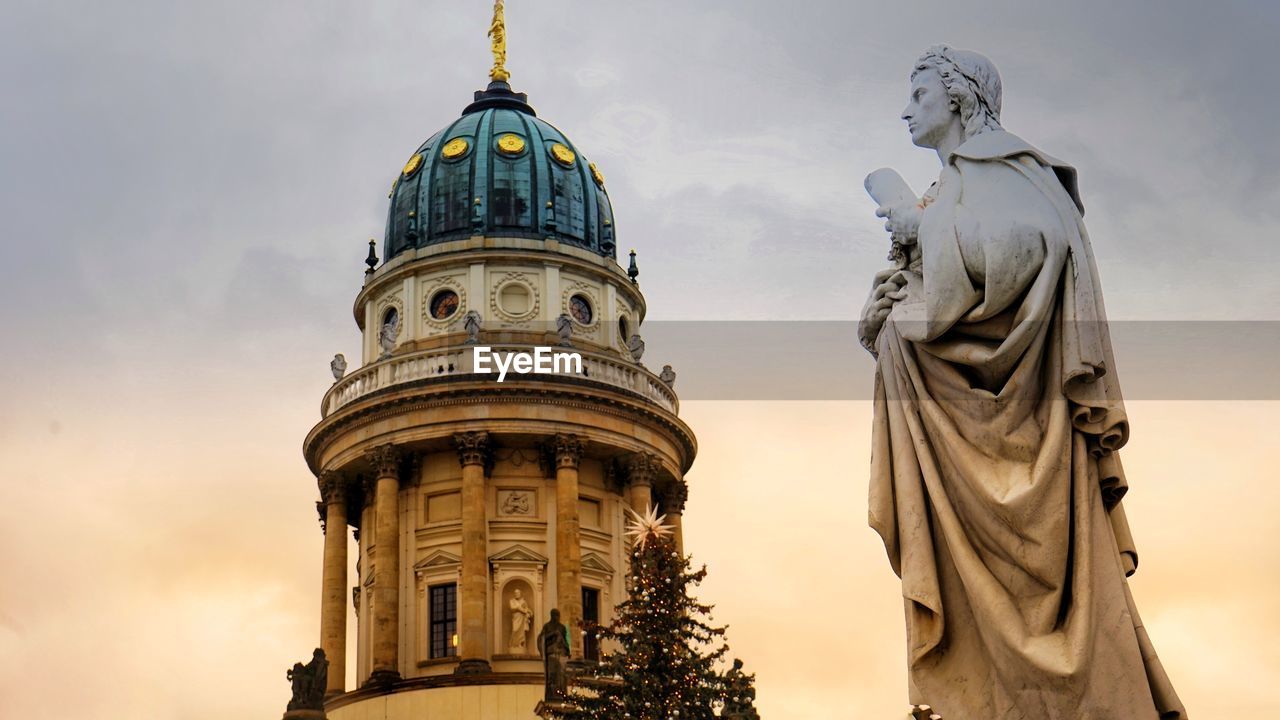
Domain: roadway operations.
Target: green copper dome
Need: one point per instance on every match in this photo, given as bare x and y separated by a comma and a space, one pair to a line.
500, 171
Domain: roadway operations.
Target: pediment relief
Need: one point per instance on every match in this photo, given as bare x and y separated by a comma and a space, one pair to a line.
436, 560
593, 562
517, 554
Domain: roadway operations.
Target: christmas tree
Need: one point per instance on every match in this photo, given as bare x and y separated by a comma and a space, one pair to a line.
664, 649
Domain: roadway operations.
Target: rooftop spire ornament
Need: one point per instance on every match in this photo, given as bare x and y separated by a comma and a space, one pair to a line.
643, 527
498, 36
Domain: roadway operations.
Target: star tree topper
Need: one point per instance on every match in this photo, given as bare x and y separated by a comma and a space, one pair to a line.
643, 527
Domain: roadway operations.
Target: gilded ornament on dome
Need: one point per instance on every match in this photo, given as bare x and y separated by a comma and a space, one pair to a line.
412, 166
563, 154
596, 174
510, 144
455, 149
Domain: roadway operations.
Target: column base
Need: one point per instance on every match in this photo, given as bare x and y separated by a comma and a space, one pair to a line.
383, 677
473, 666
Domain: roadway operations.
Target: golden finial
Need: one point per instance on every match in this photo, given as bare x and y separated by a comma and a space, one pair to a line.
498, 34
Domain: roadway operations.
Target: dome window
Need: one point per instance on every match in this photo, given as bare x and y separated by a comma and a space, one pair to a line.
580, 309
623, 333
444, 304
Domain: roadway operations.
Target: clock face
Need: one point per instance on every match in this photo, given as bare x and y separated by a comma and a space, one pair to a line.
412, 166
510, 144
444, 304
580, 309
563, 154
454, 149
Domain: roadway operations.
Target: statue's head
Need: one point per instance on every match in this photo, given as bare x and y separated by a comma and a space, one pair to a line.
318, 654
952, 86
555, 615
737, 664
516, 593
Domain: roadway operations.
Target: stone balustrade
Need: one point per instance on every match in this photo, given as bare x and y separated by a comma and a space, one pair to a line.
412, 367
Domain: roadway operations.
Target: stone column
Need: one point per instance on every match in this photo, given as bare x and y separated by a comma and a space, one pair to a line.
568, 454
333, 579
641, 472
386, 564
676, 495
473, 455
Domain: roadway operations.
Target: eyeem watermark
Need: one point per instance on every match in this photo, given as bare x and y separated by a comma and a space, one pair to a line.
542, 361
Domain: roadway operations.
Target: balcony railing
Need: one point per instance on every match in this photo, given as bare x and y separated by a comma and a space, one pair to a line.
411, 367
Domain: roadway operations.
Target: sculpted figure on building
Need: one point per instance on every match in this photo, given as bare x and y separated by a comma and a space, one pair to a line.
996, 482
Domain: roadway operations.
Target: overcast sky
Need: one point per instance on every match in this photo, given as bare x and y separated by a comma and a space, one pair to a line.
185, 195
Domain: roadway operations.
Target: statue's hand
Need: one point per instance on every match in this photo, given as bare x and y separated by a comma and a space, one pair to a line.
888, 290
902, 221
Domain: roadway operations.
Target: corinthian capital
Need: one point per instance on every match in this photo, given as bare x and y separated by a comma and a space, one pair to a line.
567, 450
385, 460
642, 469
473, 448
675, 496
333, 487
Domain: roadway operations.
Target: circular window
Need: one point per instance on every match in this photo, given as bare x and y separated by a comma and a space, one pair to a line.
514, 299
443, 304
580, 309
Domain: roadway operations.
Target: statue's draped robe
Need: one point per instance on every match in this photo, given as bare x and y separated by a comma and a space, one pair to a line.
995, 479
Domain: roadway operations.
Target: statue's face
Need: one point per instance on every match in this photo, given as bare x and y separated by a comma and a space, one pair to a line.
517, 594
929, 112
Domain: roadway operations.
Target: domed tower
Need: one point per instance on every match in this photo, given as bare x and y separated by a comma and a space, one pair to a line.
478, 504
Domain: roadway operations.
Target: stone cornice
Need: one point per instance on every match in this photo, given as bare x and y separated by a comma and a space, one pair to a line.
461, 390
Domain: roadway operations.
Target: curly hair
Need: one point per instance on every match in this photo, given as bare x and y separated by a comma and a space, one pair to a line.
972, 83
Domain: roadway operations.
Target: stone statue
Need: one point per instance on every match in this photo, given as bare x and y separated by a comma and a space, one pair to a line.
553, 645
338, 366
740, 694
995, 482
636, 346
564, 328
309, 683
668, 376
390, 331
521, 621
471, 323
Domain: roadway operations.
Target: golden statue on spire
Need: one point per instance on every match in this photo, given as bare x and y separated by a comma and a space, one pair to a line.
498, 33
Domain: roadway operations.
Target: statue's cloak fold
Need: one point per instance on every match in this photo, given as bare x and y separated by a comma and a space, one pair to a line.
995, 478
